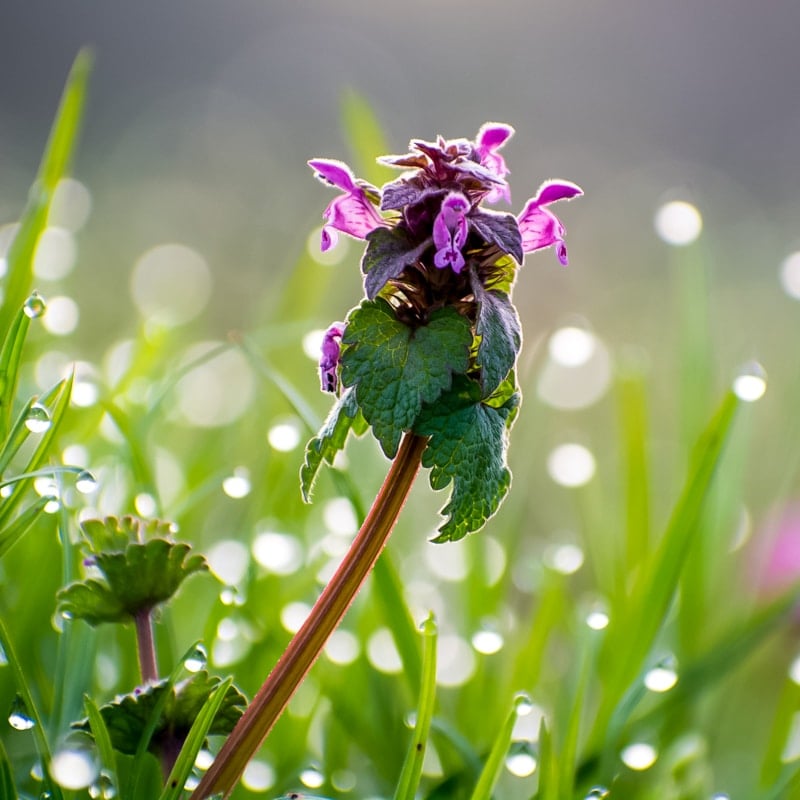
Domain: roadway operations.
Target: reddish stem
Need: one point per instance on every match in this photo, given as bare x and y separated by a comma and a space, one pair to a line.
305, 647
146, 646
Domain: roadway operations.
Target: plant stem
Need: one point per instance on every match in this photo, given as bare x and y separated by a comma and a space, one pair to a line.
307, 644
146, 646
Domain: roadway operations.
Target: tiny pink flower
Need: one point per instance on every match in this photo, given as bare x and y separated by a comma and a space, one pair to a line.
538, 226
351, 212
450, 232
491, 137
329, 358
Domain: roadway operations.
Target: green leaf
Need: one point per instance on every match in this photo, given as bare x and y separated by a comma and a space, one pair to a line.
494, 763
344, 416
101, 736
10, 535
500, 335
468, 441
126, 717
389, 251
55, 165
395, 368
136, 579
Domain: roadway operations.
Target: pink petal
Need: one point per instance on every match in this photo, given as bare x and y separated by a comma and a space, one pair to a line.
352, 213
493, 135
538, 227
550, 191
335, 172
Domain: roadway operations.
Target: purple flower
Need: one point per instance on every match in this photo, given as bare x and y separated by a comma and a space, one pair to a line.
351, 212
329, 358
541, 228
491, 137
450, 232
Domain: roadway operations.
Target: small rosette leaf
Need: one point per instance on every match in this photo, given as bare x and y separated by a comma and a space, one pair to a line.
134, 579
396, 368
344, 417
467, 447
128, 715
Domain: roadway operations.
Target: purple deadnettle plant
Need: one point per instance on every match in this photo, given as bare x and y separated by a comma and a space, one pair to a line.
426, 361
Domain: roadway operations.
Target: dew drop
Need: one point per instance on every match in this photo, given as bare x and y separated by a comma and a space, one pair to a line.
258, 776
678, 223
639, 756
238, 484
37, 420
523, 704
74, 769
597, 793
571, 465
197, 659
312, 778
520, 761
18, 717
751, 382
487, 641
103, 788
597, 620
85, 483
34, 306
3, 657
661, 678
564, 558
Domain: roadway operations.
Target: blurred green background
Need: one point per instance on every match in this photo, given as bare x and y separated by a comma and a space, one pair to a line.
182, 273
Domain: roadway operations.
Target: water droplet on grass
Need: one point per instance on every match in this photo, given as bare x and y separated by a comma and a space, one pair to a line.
571, 465
85, 483
662, 677
238, 484
597, 793
520, 761
678, 223
487, 642
312, 778
639, 756
34, 306
258, 776
74, 769
19, 717
597, 620
751, 382
37, 420
197, 659
103, 788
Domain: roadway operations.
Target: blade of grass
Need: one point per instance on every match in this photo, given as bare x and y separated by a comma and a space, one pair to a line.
633, 417
364, 134
38, 730
194, 741
494, 763
21, 525
102, 738
635, 624
59, 396
412, 767
8, 790
10, 358
388, 591
55, 165
547, 766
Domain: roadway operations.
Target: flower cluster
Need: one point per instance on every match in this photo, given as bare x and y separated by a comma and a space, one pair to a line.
431, 351
431, 238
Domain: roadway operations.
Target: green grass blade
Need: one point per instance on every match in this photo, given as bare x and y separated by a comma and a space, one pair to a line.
194, 742
8, 790
38, 730
388, 591
412, 767
21, 525
102, 738
633, 419
55, 165
365, 136
59, 396
567, 758
10, 357
635, 624
548, 766
494, 763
